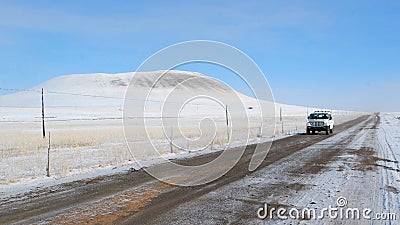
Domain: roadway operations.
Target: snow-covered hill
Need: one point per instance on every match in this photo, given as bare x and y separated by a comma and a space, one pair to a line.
100, 95
102, 89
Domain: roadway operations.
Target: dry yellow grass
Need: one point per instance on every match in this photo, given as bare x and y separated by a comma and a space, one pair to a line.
81, 145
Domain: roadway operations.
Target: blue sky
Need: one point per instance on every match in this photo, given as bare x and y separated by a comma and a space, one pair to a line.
345, 51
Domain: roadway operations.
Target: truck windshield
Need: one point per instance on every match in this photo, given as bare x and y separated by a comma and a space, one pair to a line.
319, 116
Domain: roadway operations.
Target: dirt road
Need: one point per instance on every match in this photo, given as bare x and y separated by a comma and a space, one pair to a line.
137, 198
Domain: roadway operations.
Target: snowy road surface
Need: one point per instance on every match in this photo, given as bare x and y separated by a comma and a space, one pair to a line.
358, 165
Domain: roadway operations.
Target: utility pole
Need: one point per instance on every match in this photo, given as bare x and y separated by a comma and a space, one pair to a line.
44, 130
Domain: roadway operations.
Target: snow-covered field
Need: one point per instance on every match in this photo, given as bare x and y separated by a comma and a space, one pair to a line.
84, 115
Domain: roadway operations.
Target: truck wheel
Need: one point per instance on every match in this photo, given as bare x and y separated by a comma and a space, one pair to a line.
313, 131
327, 130
331, 130
308, 131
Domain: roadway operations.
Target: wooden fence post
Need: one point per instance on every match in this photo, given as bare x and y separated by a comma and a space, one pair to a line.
227, 121
48, 158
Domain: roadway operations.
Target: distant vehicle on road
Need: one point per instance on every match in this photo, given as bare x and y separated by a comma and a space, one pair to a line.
320, 121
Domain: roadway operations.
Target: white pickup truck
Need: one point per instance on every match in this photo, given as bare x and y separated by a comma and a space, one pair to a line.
320, 121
